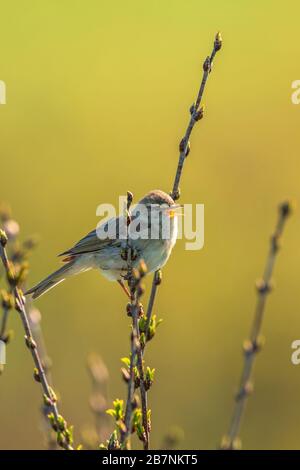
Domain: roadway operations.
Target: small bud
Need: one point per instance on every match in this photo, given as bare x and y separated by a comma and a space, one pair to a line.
143, 340
36, 375
113, 443
248, 347
188, 149
218, 41
3, 238
18, 305
245, 391
158, 277
199, 114
263, 287
129, 309
228, 444
175, 195
51, 418
142, 268
141, 311
149, 377
286, 208
48, 402
251, 347
10, 275
69, 435
62, 424
192, 109
7, 300
207, 65
30, 343
53, 395
182, 145
149, 420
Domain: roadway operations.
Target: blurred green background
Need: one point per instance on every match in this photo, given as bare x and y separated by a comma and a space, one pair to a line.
97, 99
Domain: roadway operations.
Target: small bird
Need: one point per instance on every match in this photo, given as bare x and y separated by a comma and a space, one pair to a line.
152, 233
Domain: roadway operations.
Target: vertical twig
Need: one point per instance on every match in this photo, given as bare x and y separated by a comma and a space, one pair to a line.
11, 228
136, 291
131, 382
252, 346
64, 434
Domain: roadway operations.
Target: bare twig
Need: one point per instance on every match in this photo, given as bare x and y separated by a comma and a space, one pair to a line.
196, 114
252, 346
196, 111
64, 434
35, 318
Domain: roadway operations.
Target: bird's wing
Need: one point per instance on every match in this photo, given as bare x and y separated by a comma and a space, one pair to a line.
91, 242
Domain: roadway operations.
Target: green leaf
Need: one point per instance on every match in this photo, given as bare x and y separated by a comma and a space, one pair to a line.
126, 361
111, 412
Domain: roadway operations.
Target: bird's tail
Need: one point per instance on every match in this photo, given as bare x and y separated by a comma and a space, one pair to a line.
55, 278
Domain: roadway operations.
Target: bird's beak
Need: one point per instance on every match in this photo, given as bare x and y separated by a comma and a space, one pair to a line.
172, 211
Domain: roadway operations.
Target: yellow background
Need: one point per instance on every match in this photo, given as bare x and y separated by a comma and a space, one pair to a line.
97, 99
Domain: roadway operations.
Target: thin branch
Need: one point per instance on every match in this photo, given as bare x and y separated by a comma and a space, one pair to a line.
196, 114
155, 283
35, 318
143, 391
131, 382
12, 229
59, 424
254, 344
136, 289
18, 254
184, 148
